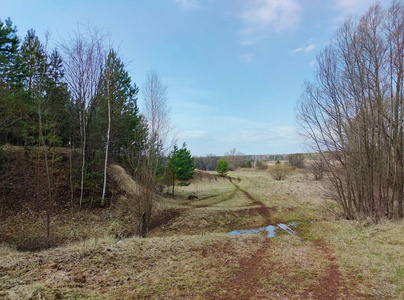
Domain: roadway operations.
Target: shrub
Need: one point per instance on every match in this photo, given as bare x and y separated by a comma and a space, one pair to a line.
249, 164
222, 167
317, 168
296, 160
260, 165
279, 171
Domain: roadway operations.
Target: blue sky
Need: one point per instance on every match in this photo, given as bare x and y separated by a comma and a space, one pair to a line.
234, 69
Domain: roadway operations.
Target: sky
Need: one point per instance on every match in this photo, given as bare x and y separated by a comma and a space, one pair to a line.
234, 69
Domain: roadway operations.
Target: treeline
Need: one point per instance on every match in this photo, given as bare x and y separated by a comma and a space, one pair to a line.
80, 98
353, 113
235, 160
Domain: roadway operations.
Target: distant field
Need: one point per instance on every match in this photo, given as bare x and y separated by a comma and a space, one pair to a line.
189, 254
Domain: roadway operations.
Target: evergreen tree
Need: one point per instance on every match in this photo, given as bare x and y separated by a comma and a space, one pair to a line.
9, 45
10, 104
222, 167
119, 96
118, 111
181, 163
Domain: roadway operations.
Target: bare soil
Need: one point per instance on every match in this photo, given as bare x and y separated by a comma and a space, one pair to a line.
332, 284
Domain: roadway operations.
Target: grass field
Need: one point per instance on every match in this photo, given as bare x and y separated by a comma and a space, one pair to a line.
189, 254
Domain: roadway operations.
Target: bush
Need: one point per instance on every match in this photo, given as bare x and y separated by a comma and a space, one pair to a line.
207, 163
222, 167
317, 168
260, 165
279, 171
249, 164
296, 160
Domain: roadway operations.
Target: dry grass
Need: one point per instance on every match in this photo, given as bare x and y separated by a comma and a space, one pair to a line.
297, 198
372, 255
189, 255
296, 268
171, 267
124, 181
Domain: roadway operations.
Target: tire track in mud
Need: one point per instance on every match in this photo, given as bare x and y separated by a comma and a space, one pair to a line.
332, 285
227, 198
246, 283
262, 210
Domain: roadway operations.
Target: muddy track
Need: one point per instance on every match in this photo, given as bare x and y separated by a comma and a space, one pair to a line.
166, 217
333, 284
228, 197
246, 283
263, 210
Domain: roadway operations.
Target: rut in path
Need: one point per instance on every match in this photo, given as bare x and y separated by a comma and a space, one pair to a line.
263, 210
246, 282
332, 285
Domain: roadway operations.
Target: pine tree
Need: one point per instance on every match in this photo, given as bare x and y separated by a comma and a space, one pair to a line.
180, 164
118, 105
9, 45
10, 104
222, 167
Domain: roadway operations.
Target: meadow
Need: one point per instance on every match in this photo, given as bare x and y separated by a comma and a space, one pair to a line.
189, 254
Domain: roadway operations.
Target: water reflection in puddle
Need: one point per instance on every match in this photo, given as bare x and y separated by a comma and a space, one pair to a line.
270, 230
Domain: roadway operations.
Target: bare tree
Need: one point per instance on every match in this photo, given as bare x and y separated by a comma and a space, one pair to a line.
353, 113
156, 109
296, 160
235, 159
84, 58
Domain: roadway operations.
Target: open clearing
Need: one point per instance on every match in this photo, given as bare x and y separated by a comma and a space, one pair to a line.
189, 254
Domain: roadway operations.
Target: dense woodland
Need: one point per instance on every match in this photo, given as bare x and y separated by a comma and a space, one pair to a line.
67, 114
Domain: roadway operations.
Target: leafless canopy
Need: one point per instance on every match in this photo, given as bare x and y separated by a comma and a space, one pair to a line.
353, 113
84, 58
156, 109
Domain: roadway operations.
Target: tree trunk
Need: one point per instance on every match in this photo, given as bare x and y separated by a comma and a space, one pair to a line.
107, 146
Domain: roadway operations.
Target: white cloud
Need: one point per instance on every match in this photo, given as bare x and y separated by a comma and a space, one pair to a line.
354, 8
187, 4
313, 63
258, 135
193, 134
262, 15
306, 50
212, 133
352, 5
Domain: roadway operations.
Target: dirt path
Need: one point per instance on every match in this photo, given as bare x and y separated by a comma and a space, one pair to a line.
246, 283
332, 285
263, 210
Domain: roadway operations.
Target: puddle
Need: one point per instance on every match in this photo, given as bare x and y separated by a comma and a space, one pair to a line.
270, 230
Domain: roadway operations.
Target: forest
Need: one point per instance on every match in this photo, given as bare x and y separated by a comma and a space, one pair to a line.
67, 114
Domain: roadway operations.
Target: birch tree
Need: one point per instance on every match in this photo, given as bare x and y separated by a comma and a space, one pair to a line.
84, 58
352, 114
118, 108
156, 109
